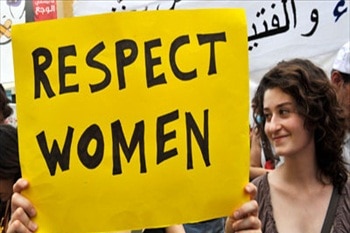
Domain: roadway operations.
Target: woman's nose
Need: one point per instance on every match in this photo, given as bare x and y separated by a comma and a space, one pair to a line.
273, 125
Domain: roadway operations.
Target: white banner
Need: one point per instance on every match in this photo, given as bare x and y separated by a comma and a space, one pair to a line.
278, 29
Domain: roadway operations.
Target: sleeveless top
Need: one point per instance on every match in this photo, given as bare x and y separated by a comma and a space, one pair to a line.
268, 225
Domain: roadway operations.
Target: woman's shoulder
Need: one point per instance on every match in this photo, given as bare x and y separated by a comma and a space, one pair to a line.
263, 197
348, 184
260, 181
346, 192
262, 184
341, 222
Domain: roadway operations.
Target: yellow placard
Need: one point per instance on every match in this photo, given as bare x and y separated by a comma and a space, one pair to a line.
134, 119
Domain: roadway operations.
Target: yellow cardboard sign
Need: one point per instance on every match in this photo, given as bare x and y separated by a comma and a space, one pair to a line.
134, 119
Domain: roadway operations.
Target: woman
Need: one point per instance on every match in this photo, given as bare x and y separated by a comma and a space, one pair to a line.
9, 170
304, 123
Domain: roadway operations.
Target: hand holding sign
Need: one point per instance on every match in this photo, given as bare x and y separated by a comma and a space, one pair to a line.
244, 218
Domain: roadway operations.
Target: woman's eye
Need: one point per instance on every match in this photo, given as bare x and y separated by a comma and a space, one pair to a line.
284, 112
267, 116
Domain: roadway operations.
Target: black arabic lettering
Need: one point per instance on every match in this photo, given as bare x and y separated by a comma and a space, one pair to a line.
124, 7
250, 48
294, 13
277, 29
314, 19
114, 9
147, 7
254, 29
275, 23
336, 12
172, 6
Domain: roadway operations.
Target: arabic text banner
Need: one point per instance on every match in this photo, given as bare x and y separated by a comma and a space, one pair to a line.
128, 120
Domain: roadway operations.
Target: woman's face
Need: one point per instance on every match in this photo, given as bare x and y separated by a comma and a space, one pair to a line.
343, 92
284, 126
5, 189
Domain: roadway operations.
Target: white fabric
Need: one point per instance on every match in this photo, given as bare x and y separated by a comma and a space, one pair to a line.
342, 60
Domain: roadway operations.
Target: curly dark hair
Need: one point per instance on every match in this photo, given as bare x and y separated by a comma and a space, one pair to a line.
9, 156
5, 109
316, 101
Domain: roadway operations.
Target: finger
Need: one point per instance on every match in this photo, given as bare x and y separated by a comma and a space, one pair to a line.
20, 202
20, 185
20, 222
249, 208
249, 231
248, 223
17, 227
251, 190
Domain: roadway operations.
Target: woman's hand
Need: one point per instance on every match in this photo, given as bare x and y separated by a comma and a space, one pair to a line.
245, 219
22, 210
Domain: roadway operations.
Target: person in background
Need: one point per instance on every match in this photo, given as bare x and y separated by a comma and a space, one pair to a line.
243, 220
304, 122
340, 78
5, 109
10, 170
